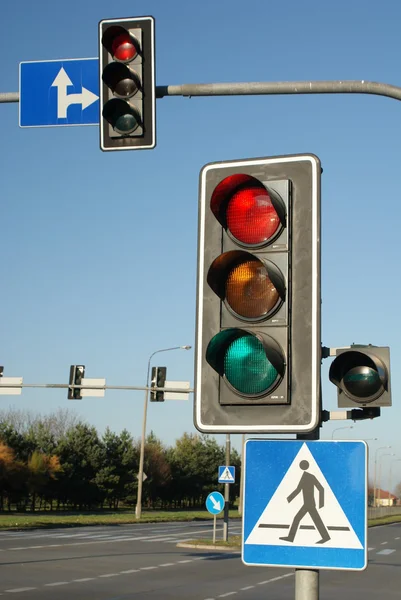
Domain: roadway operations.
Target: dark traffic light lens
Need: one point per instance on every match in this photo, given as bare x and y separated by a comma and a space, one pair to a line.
362, 382
121, 80
250, 291
122, 117
247, 367
123, 47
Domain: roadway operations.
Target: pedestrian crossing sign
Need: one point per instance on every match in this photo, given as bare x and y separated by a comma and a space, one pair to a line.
226, 474
305, 504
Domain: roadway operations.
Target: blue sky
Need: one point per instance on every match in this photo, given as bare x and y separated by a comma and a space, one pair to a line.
99, 249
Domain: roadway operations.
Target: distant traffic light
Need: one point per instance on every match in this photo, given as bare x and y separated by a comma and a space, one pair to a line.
127, 85
362, 376
258, 298
77, 373
158, 380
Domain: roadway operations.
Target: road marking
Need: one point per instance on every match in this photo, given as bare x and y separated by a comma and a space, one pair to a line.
147, 568
249, 587
110, 575
56, 583
184, 561
370, 549
383, 543
25, 589
166, 565
83, 579
397, 538
386, 551
129, 571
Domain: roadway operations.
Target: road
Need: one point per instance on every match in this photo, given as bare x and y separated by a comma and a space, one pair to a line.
143, 562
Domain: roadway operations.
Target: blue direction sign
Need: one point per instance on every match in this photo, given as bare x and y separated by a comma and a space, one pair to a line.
215, 503
59, 92
226, 474
305, 504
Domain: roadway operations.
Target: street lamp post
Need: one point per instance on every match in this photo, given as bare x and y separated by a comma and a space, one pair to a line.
380, 470
138, 509
389, 479
338, 429
374, 479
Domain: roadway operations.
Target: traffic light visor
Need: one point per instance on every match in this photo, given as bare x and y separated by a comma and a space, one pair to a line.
252, 214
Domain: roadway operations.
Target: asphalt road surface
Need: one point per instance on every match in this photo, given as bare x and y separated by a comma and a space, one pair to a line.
142, 562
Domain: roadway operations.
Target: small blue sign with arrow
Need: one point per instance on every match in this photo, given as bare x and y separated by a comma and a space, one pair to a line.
59, 92
215, 503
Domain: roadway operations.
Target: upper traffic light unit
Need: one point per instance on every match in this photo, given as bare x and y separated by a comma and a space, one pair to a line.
258, 302
127, 84
362, 376
77, 373
159, 375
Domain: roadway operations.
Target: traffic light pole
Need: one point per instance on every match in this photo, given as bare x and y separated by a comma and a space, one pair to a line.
268, 88
226, 491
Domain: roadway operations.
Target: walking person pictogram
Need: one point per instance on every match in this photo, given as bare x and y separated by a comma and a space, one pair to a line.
307, 485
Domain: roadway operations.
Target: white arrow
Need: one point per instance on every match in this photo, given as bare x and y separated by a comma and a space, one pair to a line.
216, 503
62, 82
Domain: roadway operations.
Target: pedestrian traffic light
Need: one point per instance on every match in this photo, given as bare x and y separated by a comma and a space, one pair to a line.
158, 380
127, 84
77, 373
258, 296
362, 376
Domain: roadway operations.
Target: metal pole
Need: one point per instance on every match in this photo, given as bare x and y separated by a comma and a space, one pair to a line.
241, 482
306, 584
214, 529
307, 580
279, 87
257, 88
138, 508
226, 491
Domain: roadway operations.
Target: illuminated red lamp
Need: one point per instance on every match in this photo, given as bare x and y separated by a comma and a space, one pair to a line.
251, 213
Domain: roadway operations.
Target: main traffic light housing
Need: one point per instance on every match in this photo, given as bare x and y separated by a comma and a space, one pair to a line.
258, 296
77, 373
127, 84
159, 375
362, 376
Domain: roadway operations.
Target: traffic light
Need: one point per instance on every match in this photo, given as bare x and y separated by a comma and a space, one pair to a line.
158, 380
362, 376
258, 351
77, 373
127, 84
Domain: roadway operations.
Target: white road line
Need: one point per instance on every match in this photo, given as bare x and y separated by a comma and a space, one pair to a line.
110, 575
249, 587
147, 568
56, 583
181, 562
16, 590
130, 571
383, 543
386, 551
166, 565
370, 549
83, 579
397, 538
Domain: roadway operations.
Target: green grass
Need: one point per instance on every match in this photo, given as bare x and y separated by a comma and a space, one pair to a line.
54, 519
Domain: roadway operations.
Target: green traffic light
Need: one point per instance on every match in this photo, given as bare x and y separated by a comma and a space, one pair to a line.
247, 367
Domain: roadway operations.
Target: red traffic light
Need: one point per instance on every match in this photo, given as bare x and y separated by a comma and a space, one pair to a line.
250, 212
123, 47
